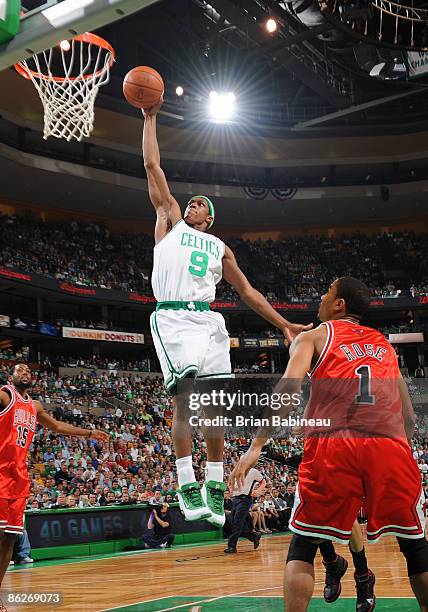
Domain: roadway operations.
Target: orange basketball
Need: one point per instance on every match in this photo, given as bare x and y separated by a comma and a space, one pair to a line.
143, 87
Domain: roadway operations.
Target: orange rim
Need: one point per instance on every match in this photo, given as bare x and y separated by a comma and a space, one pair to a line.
87, 37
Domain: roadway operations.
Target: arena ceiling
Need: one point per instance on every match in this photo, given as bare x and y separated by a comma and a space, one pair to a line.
307, 81
285, 79
308, 69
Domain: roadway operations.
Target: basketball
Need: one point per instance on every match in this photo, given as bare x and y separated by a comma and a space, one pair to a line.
143, 87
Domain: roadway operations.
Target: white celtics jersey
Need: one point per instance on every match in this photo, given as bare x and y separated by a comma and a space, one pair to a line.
187, 265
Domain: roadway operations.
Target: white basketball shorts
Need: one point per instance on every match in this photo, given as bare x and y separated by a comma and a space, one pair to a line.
191, 343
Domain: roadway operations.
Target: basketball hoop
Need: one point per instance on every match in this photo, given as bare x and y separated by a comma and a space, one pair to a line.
67, 78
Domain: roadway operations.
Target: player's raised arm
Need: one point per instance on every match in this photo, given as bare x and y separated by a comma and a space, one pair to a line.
167, 209
255, 300
66, 429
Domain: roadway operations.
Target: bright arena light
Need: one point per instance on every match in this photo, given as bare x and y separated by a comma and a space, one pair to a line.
222, 105
65, 45
179, 91
271, 25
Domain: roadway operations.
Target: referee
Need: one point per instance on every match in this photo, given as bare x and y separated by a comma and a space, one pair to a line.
242, 500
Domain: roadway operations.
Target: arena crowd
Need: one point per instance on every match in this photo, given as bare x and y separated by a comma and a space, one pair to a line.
297, 268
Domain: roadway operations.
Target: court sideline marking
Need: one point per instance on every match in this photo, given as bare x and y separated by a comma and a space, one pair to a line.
191, 603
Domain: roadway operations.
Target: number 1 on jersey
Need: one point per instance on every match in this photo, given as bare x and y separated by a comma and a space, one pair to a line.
364, 389
199, 263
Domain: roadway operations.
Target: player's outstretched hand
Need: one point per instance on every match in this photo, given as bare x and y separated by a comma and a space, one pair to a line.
241, 469
97, 434
294, 329
153, 110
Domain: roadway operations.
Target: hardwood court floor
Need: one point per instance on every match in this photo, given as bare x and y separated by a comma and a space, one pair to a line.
200, 578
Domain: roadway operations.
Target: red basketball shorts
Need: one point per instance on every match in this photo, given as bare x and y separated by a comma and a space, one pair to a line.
337, 473
12, 515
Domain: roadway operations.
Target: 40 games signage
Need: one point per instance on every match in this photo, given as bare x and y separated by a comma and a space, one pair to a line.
80, 526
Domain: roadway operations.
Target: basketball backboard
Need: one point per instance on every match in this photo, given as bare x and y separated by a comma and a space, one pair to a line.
46, 23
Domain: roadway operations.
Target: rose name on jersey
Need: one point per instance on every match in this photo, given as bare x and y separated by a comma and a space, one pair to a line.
198, 242
23, 417
357, 350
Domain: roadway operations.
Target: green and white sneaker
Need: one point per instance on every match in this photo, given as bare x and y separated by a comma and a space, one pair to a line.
213, 496
191, 503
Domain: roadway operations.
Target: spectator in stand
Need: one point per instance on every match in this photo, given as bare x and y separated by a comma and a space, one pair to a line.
157, 498
48, 455
71, 501
263, 516
289, 496
63, 474
61, 502
271, 515
282, 510
126, 500
111, 499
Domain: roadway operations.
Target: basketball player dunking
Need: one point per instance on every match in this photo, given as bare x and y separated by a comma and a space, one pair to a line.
190, 339
19, 416
364, 456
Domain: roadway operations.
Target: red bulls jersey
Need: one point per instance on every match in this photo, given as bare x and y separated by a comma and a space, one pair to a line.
355, 382
350, 345
18, 422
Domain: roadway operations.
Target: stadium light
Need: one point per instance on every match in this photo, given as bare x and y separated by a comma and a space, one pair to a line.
222, 105
65, 45
179, 91
271, 25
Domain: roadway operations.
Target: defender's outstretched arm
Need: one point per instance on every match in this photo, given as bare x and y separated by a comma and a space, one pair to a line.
255, 300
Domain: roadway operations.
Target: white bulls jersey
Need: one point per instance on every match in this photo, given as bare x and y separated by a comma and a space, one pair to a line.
187, 265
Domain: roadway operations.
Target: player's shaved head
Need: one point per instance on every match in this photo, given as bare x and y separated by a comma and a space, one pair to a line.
20, 367
355, 294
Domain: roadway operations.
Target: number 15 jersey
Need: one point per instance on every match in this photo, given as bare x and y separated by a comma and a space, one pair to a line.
187, 265
18, 423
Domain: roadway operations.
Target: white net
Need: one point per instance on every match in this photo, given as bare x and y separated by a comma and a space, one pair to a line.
67, 79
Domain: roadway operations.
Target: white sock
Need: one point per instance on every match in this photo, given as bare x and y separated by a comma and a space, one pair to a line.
185, 471
214, 471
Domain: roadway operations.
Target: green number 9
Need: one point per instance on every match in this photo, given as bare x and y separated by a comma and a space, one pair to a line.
199, 263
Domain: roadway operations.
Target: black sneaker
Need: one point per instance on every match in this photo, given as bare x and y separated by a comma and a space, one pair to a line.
230, 550
333, 574
366, 599
257, 540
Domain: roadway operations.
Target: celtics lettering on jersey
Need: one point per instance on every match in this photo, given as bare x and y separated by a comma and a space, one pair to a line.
187, 265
